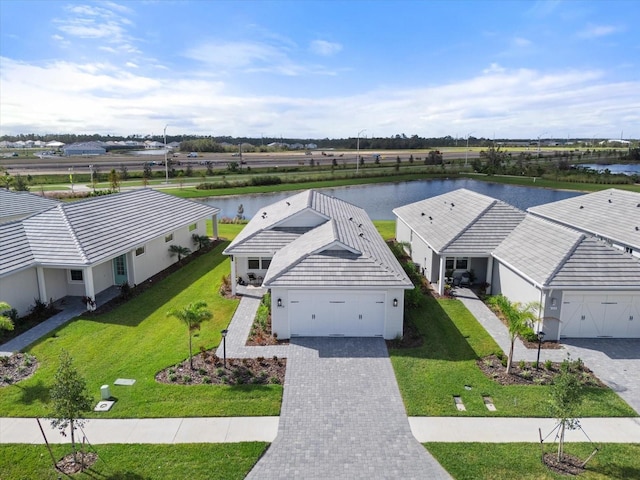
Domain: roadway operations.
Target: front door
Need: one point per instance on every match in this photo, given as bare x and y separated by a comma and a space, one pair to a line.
120, 270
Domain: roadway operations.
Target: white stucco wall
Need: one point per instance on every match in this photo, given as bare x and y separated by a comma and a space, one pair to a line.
512, 285
156, 256
19, 290
103, 276
57, 282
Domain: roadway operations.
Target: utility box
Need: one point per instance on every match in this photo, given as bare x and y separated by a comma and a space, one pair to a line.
105, 394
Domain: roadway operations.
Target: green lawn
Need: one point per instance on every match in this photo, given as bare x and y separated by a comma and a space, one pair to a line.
197, 461
136, 341
429, 376
509, 461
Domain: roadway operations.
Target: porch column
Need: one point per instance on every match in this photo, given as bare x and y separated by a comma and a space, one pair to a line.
214, 218
233, 275
89, 289
489, 275
443, 262
42, 286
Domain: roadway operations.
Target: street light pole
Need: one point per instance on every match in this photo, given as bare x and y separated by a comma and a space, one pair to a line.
166, 163
466, 153
358, 150
71, 179
91, 171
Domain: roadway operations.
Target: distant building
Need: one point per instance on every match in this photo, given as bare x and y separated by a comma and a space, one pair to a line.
87, 148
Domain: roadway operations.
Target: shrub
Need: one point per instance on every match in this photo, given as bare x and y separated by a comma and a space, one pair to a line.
173, 377
206, 379
202, 371
274, 381
186, 378
522, 364
265, 180
125, 290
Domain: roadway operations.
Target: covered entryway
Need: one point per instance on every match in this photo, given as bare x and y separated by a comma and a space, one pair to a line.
608, 314
343, 313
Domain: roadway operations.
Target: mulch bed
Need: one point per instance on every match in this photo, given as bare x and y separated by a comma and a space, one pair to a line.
17, 367
208, 368
411, 338
71, 463
525, 373
570, 464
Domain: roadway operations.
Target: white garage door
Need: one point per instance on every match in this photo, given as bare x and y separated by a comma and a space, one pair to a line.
349, 314
600, 315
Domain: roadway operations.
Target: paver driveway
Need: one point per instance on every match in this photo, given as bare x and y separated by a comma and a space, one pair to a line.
343, 418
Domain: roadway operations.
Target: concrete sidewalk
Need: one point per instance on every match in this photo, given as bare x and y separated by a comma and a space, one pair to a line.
265, 429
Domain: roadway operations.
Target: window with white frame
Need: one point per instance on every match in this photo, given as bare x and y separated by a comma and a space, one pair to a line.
168, 238
193, 226
76, 275
253, 263
265, 263
140, 251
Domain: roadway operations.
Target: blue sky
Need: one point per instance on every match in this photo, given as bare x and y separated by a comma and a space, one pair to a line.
306, 69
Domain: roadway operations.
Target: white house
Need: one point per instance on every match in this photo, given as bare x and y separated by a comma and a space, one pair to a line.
329, 271
585, 286
85, 247
455, 232
612, 215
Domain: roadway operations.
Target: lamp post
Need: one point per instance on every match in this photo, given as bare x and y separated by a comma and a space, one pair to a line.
166, 163
91, 172
539, 136
466, 152
358, 150
540, 337
224, 347
71, 178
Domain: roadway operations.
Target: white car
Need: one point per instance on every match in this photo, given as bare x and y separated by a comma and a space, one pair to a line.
193, 155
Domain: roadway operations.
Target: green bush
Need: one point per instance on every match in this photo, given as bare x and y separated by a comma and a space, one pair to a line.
266, 180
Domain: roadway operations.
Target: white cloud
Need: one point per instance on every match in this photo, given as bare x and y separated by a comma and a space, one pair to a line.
597, 31
100, 97
521, 42
324, 48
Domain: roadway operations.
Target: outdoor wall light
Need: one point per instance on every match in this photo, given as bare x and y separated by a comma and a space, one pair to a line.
279, 302
395, 302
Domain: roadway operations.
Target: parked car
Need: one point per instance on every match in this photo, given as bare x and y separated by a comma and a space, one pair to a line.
193, 155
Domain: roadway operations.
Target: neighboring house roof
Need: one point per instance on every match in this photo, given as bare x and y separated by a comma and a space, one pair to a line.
330, 243
15, 253
461, 222
16, 205
90, 231
612, 214
551, 255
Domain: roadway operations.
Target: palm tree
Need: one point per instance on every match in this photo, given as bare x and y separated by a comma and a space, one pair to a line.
179, 250
518, 318
5, 321
200, 240
192, 316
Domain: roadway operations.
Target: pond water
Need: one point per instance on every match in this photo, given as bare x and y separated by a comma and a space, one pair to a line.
630, 169
378, 200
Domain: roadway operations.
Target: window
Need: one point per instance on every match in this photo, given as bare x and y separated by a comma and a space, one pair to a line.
76, 275
449, 263
265, 263
168, 238
254, 263
139, 251
461, 263
193, 226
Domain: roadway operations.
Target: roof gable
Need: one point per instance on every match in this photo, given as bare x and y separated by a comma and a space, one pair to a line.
612, 214
461, 221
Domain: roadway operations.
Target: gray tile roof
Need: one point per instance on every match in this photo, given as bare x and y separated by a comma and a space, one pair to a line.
552, 255
341, 247
90, 231
461, 222
612, 214
15, 205
15, 253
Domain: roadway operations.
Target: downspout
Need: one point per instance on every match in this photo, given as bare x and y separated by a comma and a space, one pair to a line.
441, 276
233, 275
